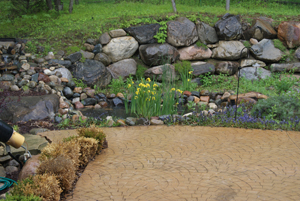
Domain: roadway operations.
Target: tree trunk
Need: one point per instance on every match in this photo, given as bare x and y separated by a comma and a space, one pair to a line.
227, 4
49, 4
71, 6
174, 6
76, 1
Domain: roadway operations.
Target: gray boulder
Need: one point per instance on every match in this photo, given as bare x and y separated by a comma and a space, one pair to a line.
200, 68
7, 77
103, 58
295, 67
251, 63
30, 108
262, 29
123, 68
227, 67
117, 33
121, 48
87, 55
64, 72
254, 73
104, 38
266, 51
92, 73
194, 53
166, 71
229, 50
297, 53
181, 32
144, 34
158, 54
229, 27
206, 33
74, 57
65, 63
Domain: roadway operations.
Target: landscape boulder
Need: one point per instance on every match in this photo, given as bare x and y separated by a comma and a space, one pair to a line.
227, 67
158, 54
262, 29
103, 58
30, 108
74, 57
92, 72
285, 67
181, 32
266, 51
289, 33
229, 50
87, 55
200, 68
229, 27
121, 48
144, 34
117, 33
206, 33
104, 38
157, 72
251, 63
123, 68
254, 73
64, 72
194, 53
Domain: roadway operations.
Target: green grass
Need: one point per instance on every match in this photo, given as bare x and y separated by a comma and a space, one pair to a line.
89, 20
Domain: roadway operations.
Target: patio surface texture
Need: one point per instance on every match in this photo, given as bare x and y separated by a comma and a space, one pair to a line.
192, 163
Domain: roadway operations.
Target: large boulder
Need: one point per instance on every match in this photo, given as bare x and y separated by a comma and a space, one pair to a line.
254, 73
158, 54
74, 57
262, 29
103, 58
227, 67
30, 167
229, 50
194, 53
266, 51
92, 73
121, 48
64, 72
295, 67
159, 73
229, 27
289, 33
30, 108
123, 68
251, 63
144, 34
206, 33
297, 53
87, 55
181, 32
200, 68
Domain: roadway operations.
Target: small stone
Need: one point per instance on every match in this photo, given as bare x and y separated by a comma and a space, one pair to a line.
120, 95
52, 68
187, 93
122, 122
156, 122
35, 131
97, 106
202, 103
225, 96
78, 105
204, 99
11, 169
58, 119
90, 93
77, 90
196, 99
26, 66
130, 121
204, 93
63, 79
103, 104
253, 41
75, 118
77, 99
4, 158
14, 88
68, 92
63, 105
83, 96
13, 163
111, 96
212, 106
62, 111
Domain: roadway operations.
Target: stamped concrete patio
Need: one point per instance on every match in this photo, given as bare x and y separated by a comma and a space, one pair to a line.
193, 163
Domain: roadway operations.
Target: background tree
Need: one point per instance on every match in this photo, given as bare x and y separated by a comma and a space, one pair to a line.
174, 6
227, 4
71, 6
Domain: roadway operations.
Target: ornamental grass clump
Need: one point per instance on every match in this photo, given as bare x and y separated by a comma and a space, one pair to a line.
93, 132
148, 99
186, 73
39, 187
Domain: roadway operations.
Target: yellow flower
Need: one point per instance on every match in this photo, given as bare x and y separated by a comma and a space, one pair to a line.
129, 85
148, 91
148, 79
154, 89
190, 72
153, 93
132, 82
140, 84
173, 89
138, 89
135, 97
179, 90
137, 92
153, 98
188, 80
147, 85
155, 85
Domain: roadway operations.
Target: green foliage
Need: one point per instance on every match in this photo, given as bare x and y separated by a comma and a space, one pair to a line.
140, 72
186, 73
68, 139
202, 45
79, 83
281, 107
161, 35
72, 49
20, 188
247, 44
16, 128
279, 45
22, 198
285, 83
31, 47
26, 7
117, 85
25, 88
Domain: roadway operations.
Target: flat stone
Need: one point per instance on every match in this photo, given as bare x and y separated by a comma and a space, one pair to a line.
35, 131
35, 144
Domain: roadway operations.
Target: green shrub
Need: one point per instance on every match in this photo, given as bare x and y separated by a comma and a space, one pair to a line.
281, 107
27, 7
116, 85
278, 44
79, 83
140, 72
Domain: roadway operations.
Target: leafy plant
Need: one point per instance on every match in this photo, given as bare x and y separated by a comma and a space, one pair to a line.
202, 45
186, 72
284, 84
22, 198
279, 107
140, 71
79, 83
247, 44
279, 45
117, 85
72, 49
161, 35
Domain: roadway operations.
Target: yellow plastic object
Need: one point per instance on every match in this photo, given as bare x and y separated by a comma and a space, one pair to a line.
16, 140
